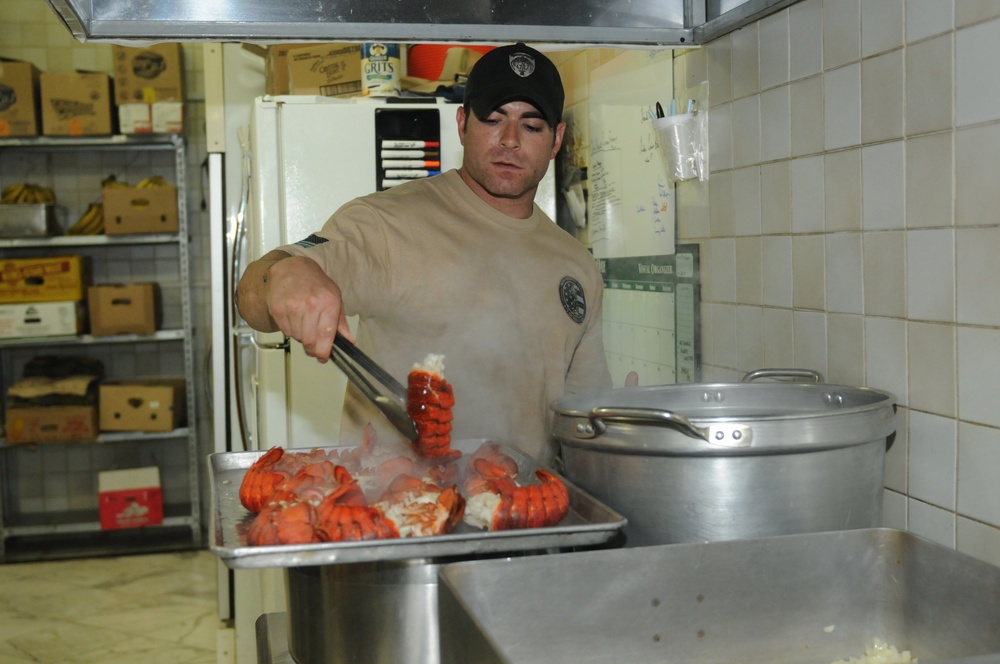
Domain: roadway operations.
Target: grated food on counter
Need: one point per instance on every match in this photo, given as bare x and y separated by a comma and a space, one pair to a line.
880, 652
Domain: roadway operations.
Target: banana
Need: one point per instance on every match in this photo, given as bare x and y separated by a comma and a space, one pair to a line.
12, 192
112, 182
152, 181
23, 192
91, 223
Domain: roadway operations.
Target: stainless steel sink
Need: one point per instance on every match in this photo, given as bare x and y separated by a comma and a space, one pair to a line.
800, 599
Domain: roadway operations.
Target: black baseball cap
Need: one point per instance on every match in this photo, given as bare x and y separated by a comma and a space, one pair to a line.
515, 73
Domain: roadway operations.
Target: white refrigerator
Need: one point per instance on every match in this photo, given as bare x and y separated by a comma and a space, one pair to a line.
301, 158
304, 157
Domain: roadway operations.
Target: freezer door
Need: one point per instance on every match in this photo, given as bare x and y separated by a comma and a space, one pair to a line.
310, 156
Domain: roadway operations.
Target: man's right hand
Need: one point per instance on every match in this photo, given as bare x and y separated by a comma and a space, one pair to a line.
293, 294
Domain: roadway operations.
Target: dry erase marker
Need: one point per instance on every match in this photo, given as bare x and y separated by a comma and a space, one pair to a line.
410, 173
392, 183
409, 154
409, 145
409, 163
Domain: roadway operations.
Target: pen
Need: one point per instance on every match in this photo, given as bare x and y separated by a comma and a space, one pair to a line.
410, 154
410, 163
690, 108
403, 144
412, 173
673, 107
659, 110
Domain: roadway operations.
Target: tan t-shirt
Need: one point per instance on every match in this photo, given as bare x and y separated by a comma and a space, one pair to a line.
514, 305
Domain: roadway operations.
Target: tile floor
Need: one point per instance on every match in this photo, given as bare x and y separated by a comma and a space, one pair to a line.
154, 609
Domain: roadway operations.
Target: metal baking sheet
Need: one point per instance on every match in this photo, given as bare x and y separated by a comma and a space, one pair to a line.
588, 523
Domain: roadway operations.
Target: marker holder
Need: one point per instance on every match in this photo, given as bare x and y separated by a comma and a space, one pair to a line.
405, 124
683, 143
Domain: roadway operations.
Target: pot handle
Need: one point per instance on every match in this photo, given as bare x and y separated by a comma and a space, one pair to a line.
723, 434
816, 376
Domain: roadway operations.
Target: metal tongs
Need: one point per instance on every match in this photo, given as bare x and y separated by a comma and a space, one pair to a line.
392, 402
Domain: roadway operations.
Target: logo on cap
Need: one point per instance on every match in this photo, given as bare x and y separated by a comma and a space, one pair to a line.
522, 64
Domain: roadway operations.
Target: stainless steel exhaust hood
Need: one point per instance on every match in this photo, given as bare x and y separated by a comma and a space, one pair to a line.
639, 23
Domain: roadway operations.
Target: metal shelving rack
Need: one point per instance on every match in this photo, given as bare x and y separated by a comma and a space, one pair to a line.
76, 530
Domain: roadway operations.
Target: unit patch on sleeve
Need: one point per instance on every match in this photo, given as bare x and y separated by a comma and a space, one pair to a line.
311, 241
572, 298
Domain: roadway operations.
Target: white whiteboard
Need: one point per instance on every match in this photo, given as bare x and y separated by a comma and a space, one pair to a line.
631, 200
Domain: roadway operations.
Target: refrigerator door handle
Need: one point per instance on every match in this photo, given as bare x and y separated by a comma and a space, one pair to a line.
240, 333
239, 341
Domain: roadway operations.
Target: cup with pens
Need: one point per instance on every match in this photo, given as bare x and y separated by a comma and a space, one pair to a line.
683, 140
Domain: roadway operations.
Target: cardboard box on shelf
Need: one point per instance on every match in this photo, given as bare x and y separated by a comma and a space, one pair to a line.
122, 309
148, 74
43, 279
50, 424
135, 118
76, 103
331, 70
130, 498
41, 319
142, 404
276, 68
168, 117
131, 210
18, 98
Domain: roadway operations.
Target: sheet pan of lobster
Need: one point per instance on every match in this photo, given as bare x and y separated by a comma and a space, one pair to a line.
294, 507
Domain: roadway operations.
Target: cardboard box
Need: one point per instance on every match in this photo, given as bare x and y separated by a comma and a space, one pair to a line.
19, 109
276, 68
131, 210
331, 70
151, 404
122, 309
43, 279
76, 104
28, 220
168, 117
41, 319
50, 424
130, 498
148, 74
135, 118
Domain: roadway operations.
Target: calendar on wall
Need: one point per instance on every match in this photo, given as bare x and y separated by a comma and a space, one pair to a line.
651, 322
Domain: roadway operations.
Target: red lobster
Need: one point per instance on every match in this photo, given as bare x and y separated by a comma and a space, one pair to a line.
419, 508
341, 515
344, 516
497, 502
272, 470
429, 403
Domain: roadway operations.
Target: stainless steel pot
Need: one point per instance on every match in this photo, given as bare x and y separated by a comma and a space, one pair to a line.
722, 461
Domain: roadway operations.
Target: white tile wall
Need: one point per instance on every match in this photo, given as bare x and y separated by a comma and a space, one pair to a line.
880, 232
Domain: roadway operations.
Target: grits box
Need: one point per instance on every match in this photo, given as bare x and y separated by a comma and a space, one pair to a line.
50, 424
134, 210
147, 74
142, 404
76, 104
18, 98
122, 309
43, 279
331, 70
130, 498
41, 319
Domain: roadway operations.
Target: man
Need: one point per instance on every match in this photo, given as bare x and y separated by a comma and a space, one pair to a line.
463, 264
